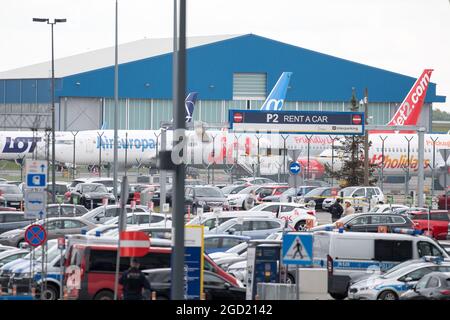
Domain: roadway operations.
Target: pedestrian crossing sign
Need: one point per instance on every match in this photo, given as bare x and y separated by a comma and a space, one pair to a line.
298, 248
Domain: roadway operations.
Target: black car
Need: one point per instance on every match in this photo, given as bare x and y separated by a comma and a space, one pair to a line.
315, 197
66, 209
214, 286
369, 222
90, 195
10, 196
433, 286
204, 197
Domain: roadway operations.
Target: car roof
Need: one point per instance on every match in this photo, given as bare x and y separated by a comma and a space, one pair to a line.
220, 235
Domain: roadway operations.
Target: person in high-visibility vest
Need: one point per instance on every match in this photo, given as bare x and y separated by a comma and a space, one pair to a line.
134, 282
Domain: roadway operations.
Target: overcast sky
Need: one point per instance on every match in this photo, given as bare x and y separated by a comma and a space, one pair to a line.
404, 36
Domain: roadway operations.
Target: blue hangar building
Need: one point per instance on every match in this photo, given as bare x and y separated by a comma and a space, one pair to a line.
228, 72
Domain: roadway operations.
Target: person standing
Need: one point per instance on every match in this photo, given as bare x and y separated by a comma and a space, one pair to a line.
348, 209
133, 282
336, 210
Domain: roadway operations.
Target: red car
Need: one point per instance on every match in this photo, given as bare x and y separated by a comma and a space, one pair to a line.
437, 225
442, 199
97, 263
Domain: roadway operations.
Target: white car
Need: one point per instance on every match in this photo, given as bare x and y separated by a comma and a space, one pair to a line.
385, 208
358, 196
396, 281
144, 218
296, 214
242, 199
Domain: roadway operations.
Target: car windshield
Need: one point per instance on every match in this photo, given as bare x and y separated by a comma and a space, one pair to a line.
398, 269
10, 189
93, 188
348, 191
315, 192
208, 192
247, 190
238, 248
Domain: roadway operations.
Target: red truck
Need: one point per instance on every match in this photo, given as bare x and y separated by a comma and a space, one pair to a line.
438, 224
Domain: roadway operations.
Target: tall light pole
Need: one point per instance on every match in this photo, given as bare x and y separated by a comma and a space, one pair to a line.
52, 23
116, 103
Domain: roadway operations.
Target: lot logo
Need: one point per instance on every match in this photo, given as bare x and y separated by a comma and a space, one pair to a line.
21, 144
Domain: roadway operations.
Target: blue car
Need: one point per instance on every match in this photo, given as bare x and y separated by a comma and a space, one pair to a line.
222, 242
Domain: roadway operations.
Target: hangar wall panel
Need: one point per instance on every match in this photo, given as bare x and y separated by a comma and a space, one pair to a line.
80, 114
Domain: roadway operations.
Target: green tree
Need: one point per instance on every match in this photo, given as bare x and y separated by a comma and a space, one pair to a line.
352, 171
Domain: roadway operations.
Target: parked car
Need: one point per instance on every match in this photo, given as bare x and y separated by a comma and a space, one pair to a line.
433, 286
222, 242
71, 186
296, 214
55, 227
315, 197
396, 281
12, 220
211, 220
243, 198
255, 228
215, 287
6, 248
66, 209
97, 265
61, 189
204, 197
369, 222
135, 189
107, 182
11, 196
437, 224
91, 195
104, 213
144, 218
11, 255
359, 195
232, 189
293, 194
269, 191
254, 181
383, 208
408, 210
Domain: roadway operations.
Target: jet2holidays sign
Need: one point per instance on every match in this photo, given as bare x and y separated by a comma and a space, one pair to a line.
302, 122
298, 248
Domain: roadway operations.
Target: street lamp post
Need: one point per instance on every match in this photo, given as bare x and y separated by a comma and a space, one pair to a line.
52, 23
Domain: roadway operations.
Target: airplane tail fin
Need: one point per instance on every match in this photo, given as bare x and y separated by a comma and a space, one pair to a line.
275, 99
189, 104
409, 111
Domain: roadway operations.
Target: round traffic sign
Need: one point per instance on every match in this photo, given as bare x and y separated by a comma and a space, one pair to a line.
35, 235
295, 168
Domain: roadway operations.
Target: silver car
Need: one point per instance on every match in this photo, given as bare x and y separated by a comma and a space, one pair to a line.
255, 228
55, 227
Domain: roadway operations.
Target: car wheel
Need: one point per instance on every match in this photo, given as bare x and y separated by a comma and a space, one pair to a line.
290, 279
300, 226
104, 295
388, 295
51, 292
338, 296
19, 243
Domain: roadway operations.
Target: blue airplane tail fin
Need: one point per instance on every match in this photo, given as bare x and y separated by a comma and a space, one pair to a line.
189, 104
275, 99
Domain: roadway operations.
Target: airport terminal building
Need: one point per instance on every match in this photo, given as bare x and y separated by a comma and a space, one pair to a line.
228, 72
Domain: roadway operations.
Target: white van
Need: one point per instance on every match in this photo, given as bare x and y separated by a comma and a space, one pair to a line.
211, 220
351, 254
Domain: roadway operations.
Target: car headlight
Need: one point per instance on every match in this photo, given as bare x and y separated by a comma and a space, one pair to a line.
22, 275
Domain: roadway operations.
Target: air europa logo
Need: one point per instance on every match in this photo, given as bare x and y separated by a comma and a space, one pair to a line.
20, 144
274, 104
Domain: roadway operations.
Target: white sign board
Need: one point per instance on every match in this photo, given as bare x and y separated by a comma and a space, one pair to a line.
35, 204
36, 173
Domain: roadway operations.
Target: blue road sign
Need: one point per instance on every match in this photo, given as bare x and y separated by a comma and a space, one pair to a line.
301, 122
36, 180
35, 235
298, 248
295, 168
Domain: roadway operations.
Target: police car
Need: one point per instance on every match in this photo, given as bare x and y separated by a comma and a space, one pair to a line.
396, 281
